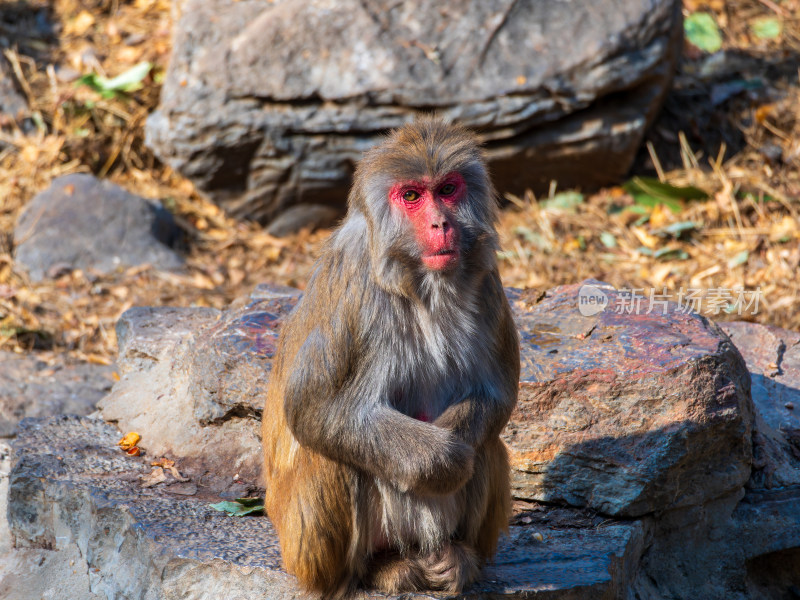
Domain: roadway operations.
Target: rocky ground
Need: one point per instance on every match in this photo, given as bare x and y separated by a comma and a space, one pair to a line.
651, 459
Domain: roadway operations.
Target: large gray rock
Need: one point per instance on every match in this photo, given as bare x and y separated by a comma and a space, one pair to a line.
32, 388
70, 485
625, 414
80, 222
268, 104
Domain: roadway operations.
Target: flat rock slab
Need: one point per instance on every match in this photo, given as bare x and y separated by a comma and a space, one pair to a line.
266, 105
624, 413
32, 388
70, 485
81, 222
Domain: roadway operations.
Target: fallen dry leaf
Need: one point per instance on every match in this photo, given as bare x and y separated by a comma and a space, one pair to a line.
155, 477
129, 440
168, 464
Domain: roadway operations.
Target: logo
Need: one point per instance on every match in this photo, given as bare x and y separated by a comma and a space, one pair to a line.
591, 300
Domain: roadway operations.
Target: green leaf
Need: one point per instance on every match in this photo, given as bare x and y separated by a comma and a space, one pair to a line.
701, 30
766, 28
671, 254
739, 259
251, 502
240, 508
129, 81
678, 229
566, 201
505, 254
649, 192
532, 237
651, 202
608, 240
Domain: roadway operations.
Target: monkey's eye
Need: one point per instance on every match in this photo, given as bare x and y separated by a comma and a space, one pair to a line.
411, 196
447, 189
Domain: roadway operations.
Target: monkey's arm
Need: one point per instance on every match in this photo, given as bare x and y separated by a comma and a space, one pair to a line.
485, 412
331, 409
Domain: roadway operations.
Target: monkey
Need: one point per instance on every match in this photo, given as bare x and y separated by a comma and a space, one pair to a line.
393, 379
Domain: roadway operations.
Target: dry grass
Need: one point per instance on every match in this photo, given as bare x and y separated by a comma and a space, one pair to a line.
744, 151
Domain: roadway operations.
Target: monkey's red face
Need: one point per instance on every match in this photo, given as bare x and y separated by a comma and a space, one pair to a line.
429, 205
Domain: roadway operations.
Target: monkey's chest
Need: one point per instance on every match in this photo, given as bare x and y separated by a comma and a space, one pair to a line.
428, 374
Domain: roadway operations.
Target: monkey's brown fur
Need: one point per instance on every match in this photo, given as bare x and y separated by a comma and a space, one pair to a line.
393, 379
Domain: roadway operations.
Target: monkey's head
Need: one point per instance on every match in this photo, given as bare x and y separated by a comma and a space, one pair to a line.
428, 203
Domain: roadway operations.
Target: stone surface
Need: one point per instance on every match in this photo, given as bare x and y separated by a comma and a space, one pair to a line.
266, 105
773, 359
71, 487
193, 380
37, 574
626, 414
79, 514
723, 550
32, 388
82, 222
745, 545
153, 396
304, 216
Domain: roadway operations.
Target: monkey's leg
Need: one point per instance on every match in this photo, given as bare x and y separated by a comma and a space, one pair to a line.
311, 509
486, 499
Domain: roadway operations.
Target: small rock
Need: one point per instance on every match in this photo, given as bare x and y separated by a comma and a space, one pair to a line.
86, 223
181, 489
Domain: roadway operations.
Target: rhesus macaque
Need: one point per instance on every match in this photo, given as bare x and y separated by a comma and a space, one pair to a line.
393, 379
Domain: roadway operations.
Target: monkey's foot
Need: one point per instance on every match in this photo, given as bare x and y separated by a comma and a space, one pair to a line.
451, 568
394, 574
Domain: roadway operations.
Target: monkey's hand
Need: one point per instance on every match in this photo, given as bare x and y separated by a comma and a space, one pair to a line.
445, 469
474, 419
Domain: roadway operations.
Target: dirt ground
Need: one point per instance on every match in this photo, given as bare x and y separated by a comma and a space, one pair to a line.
730, 128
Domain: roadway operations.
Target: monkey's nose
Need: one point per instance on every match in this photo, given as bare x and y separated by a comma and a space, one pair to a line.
443, 225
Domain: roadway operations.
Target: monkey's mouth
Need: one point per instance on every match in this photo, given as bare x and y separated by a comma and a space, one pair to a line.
441, 259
